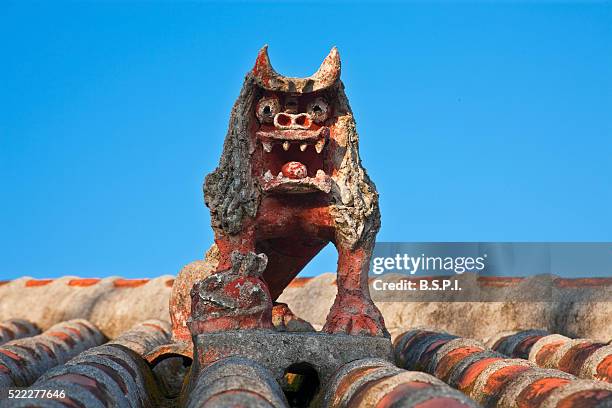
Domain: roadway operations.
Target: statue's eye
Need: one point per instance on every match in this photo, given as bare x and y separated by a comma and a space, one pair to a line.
318, 110
266, 109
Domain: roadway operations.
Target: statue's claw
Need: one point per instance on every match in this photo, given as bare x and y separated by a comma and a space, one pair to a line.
355, 315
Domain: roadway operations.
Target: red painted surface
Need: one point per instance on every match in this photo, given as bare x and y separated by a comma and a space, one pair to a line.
498, 281
582, 282
76, 332
498, 379
38, 282
47, 350
83, 282
400, 391
408, 343
114, 374
233, 299
294, 170
589, 398
361, 392
299, 282
547, 352
262, 68
129, 283
63, 336
573, 360
351, 377
536, 392
473, 371
11, 355
524, 347
604, 369
426, 356
446, 363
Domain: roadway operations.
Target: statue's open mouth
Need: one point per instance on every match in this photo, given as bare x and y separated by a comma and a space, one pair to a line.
294, 160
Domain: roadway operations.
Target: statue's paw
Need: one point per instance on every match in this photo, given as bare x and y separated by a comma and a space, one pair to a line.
284, 320
354, 324
364, 320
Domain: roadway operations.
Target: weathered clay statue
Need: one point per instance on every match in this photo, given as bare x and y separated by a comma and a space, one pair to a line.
289, 182
232, 300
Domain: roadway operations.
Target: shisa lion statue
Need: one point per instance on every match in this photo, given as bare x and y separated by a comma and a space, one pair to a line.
289, 182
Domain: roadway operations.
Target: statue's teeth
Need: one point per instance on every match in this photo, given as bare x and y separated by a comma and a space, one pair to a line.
280, 175
268, 175
320, 173
286, 145
319, 145
303, 146
267, 146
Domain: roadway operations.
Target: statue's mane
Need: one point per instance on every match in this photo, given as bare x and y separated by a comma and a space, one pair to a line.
230, 191
354, 196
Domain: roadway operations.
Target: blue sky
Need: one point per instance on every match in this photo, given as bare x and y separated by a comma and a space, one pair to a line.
478, 121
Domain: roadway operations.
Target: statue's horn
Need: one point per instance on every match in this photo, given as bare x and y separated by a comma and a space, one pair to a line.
329, 71
263, 68
266, 77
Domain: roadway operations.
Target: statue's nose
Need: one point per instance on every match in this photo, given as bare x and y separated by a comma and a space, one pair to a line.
292, 121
